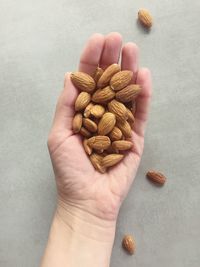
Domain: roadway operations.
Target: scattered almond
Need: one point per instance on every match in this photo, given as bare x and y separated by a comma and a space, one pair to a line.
156, 177
128, 244
145, 18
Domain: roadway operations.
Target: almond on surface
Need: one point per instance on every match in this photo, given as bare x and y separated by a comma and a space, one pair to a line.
156, 177
145, 18
121, 79
106, 123
83, 81
107, 75
128, 244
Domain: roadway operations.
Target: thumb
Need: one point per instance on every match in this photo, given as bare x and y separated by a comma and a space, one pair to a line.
64, 113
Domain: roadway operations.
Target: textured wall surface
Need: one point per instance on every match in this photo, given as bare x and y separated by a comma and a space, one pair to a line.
39, 42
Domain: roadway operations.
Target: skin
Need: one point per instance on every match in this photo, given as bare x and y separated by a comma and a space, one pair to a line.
89, 202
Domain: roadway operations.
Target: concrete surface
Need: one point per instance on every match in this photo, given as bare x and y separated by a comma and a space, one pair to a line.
39, 42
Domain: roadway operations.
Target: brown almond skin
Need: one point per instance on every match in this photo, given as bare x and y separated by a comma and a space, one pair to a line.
99, 142
118, 109
88, 149
122, 145
84, 132
90, 125
111, 160
97, 74
82, 101
115, 134
77, 122
125, 128
97, 111
102, 96
106, 123
156, 177
96, 161
107, 75
83, 81
129, 93
128, 244
145, 18
131, 118
87, 110
121, 79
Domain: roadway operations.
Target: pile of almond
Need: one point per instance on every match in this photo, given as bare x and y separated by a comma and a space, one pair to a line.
104, 114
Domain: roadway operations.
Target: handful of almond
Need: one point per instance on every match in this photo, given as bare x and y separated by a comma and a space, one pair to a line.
105, 114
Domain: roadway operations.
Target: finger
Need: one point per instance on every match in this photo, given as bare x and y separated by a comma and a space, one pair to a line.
92, 53
130, 53
65, 108
143, 101
111, 50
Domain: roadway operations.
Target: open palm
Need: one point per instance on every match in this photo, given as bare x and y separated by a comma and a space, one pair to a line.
78, 183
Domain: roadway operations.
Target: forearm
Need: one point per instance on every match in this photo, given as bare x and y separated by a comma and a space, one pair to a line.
75, 241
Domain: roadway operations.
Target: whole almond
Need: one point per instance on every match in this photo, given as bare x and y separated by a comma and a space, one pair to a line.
97, 111
84, 132
88, 149
111, 160
122, 145
107, 75
97, 74
121, 79
82, 101
118, 109
131, 118
99, 142
156, 177
129, 93
77, 122
97, 162
115, 134
145, 18
87, 110
128, 244
102, 96
83, 81
89, 125
125, 128
106, 123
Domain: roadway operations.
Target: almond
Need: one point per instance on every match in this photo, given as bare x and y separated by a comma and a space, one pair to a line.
97, 162
111, 160
111, 150
104, 95
84, 132
87, 110
121, 79
97, 74
156, 177
131, 118
99, 142
125, 128
107, 75
97, 111
118, 109
88, 149
106, 123
82, 101
145, 18
115, 134
89, 125
128, 244
129, 93
83, 81
122, 145
77, 122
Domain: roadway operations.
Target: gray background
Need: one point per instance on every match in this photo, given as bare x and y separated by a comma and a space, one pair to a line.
39, 42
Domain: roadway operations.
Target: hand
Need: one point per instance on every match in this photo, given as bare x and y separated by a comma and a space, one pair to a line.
78, 183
